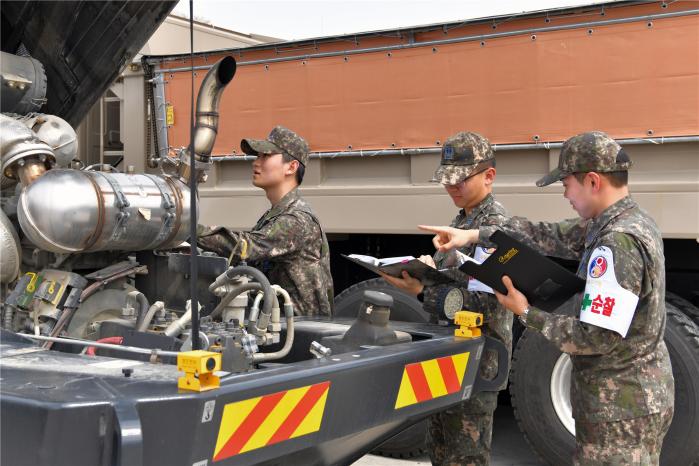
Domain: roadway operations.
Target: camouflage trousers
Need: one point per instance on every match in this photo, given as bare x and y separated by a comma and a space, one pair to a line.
462, 435
634, 442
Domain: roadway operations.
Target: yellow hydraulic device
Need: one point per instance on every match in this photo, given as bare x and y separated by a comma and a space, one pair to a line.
198, 367
469, 324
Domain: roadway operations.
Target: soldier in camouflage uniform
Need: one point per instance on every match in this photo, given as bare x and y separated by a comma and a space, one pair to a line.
462, 435
622, 389
287, 243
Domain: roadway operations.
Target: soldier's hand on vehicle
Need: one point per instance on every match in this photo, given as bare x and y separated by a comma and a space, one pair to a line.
514, 300
448, 238
428, 261
408, 284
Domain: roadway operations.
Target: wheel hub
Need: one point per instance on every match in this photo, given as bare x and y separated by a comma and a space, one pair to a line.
560, 392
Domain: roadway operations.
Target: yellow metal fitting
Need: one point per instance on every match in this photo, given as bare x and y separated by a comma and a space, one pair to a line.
469, 324
198, 367
243, 251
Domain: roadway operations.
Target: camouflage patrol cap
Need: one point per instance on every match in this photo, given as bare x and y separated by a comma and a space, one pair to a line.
461, 154
594, 151
280, 141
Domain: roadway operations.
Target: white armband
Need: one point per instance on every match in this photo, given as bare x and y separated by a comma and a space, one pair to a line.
605, 303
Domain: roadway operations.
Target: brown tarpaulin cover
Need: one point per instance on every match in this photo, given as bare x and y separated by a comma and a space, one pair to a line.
627, 79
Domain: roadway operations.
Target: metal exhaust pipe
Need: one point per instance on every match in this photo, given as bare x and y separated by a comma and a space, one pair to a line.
208, 102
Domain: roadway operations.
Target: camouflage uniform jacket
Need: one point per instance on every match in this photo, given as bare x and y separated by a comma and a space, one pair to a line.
614, 378
497, 320
290, 247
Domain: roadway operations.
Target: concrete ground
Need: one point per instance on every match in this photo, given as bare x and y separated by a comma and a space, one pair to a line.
509, 447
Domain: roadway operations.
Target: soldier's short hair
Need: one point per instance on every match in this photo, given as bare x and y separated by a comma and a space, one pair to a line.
300, 171
617, 179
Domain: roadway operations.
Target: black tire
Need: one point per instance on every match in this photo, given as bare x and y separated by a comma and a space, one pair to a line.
687, 308
682, 338
533, 362
405, 308
410, 442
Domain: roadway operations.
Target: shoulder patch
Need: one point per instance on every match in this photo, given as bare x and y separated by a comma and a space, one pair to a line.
605, 303
598, 266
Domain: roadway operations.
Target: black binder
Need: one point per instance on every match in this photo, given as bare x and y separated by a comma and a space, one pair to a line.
546, 284
423, 272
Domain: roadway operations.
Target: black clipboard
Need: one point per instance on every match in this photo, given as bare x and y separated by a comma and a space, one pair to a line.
427, 275
546, 284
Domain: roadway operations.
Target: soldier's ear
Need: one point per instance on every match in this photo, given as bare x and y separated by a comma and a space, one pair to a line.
489, 175
293, 167
595, 180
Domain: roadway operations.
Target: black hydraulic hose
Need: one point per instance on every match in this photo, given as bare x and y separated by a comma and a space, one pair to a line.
253, 273
231, 295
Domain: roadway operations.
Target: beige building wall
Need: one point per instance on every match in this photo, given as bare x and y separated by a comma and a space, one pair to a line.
172, 37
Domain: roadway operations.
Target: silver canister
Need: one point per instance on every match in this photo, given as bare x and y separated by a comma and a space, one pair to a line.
68, 211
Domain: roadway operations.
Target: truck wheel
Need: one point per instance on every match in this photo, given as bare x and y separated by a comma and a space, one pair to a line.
410, 442
682, 338
405, 308
540, 390
687, 308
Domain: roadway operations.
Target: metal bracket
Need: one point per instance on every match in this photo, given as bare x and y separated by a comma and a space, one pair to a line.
122, 203
122, 218
168, 205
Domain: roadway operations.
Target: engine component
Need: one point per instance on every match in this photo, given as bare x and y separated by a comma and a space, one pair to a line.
233, 309
233, 274
144, 321
208, 101
289, 340
11, 251
236, 346
136, 307
50, 296
82, 211
40, 300
23, 84
104, 305
58, 134
176, 328
10, 306
260, 322
371, 327
24, 156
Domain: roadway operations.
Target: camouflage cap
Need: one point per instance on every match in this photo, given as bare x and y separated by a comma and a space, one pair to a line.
461, 154
593, 151
280, 141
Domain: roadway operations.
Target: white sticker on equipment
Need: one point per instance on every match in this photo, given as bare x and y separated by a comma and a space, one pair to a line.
208, 413
605, 303
480, 255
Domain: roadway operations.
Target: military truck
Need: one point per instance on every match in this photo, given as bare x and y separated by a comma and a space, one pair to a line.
376, 106
98, 346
